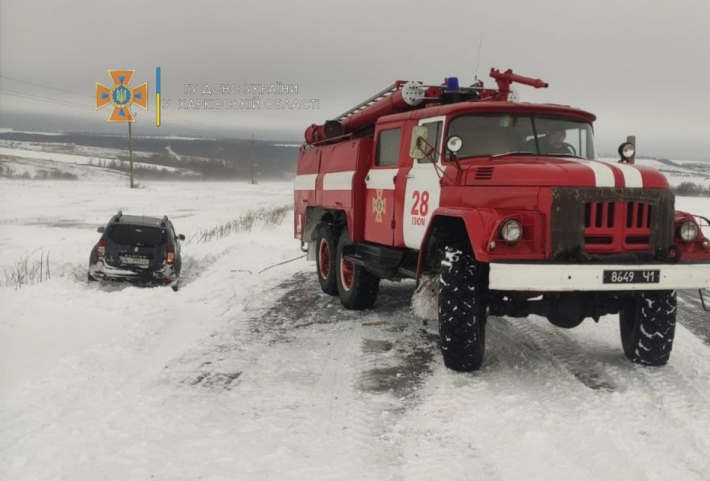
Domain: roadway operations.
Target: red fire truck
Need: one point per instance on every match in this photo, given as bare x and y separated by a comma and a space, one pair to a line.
504, 205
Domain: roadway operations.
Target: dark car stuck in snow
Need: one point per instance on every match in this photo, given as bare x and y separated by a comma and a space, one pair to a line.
138, 249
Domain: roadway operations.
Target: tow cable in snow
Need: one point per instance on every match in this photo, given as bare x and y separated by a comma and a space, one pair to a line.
270, 267
282, 263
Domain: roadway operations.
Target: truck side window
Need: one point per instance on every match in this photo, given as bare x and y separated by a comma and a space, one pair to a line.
388, 147
433, 138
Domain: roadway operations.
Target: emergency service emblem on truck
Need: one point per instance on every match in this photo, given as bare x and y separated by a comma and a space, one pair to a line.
505, 205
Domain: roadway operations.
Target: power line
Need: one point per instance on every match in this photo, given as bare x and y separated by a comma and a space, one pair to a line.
46, 86
204, 127
44, 99
65, 103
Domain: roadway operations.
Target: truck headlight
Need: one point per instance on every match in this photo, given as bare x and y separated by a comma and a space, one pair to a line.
511, 231
627, 150
688, 231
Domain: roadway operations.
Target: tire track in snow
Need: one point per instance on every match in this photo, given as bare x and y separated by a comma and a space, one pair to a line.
565, 353
544, 398
530, 385
663, 392
360, 370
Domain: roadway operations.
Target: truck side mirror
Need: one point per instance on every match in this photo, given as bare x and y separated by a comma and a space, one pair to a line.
454, 144
418, 146
101, 230
181, 237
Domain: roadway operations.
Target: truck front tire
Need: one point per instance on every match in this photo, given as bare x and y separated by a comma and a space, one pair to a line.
462, 309
647, 325
357, 287
326, 246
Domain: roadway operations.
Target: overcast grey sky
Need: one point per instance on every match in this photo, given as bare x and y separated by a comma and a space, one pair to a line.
643, 67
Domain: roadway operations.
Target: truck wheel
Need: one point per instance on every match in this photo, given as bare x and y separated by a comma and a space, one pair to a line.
647, 326
462, 309
357, 287
325, 258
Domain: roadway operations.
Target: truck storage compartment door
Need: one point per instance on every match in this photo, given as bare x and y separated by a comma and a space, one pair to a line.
304, 187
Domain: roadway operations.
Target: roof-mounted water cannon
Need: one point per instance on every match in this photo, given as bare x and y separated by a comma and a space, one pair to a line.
505, 79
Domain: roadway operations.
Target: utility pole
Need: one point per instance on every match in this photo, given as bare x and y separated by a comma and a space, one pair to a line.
130, 150
252, 159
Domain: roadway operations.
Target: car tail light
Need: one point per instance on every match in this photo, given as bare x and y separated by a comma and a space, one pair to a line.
101, 251
171, 255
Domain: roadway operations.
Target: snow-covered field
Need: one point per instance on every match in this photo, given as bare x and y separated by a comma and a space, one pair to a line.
251, 375
677, 171
32, 156
82, 161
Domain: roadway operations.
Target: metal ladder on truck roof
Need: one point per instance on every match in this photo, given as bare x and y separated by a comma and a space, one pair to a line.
374, 99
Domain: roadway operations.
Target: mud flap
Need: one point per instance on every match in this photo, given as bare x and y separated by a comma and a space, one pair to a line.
310, 252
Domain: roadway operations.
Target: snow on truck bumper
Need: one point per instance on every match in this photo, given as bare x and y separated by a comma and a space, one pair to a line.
537, 277
164, 276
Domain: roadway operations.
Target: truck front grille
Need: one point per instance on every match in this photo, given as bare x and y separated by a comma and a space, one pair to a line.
617, 226
610, 221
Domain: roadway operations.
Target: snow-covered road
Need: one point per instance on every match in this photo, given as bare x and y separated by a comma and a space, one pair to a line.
248, 376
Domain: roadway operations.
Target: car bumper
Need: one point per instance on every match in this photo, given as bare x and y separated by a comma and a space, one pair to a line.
537, 277
163, 277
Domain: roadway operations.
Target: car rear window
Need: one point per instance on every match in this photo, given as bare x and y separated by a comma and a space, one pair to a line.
137, 235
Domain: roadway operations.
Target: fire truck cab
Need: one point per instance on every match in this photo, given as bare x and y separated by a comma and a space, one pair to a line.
503, 205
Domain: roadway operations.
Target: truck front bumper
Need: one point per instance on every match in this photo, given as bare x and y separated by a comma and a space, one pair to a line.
543, 277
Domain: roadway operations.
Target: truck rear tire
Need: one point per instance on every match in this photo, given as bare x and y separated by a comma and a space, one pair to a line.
647, 326
326, 246
462, 309
357, 287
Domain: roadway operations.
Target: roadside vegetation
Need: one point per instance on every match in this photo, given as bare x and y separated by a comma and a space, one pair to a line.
265, 217
30, 269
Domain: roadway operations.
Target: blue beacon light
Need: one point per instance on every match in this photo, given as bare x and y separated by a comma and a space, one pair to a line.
452, 84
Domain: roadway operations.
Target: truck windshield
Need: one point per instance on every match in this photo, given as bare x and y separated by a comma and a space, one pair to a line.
526, 134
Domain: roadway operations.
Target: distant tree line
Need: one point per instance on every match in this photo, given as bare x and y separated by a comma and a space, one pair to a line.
145, 172
227, 158
691, 189
7, 172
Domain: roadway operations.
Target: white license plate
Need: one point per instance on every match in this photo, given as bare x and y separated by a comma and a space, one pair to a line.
632, 276
135, 261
